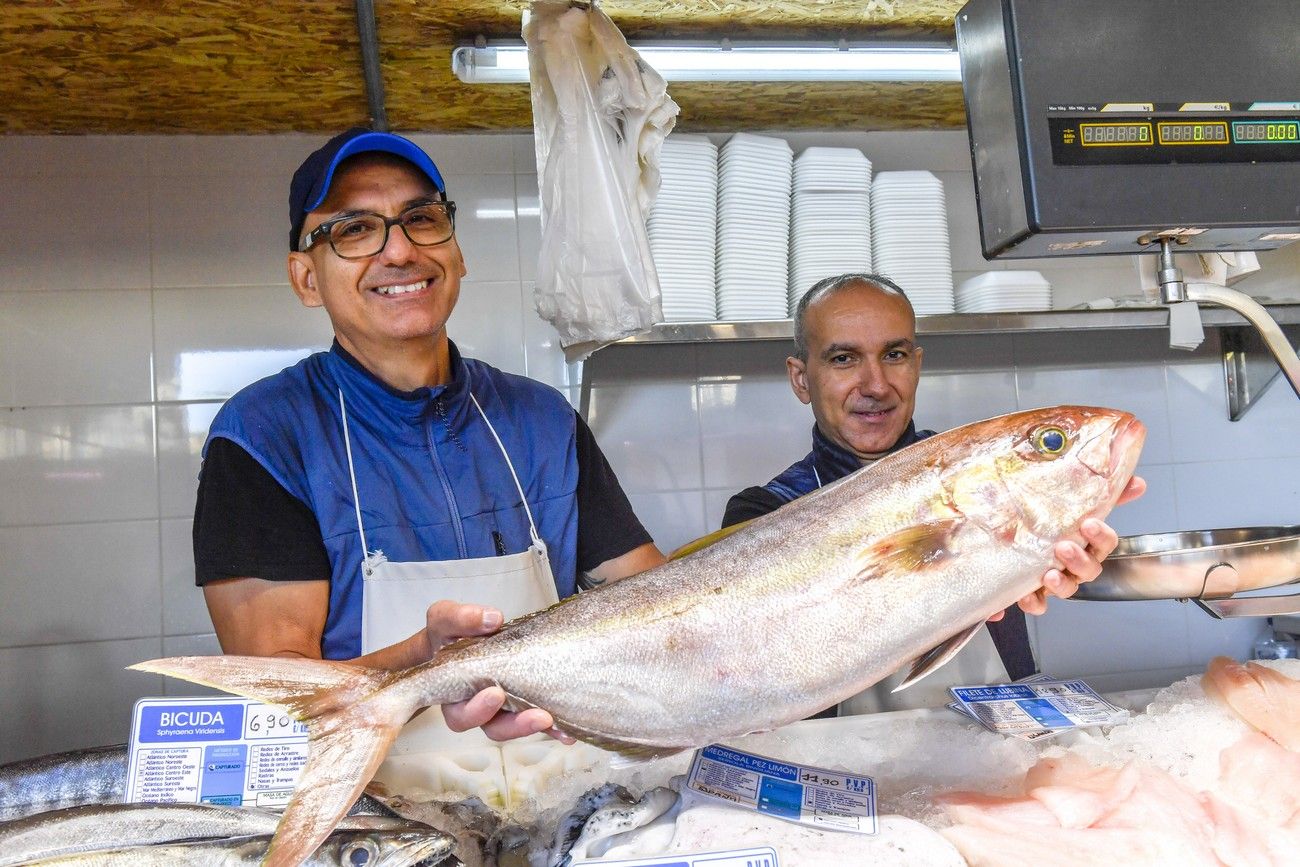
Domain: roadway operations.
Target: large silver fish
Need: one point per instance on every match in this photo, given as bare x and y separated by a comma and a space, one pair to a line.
900, 562
90, 776
406, 848
96, 827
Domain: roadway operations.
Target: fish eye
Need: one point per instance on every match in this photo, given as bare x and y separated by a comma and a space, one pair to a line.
358, 854
1049, 440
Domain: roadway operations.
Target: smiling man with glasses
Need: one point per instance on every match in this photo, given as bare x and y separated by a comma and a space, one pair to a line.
341, 499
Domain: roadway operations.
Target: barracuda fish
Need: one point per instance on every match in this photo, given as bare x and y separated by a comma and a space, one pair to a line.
96, 827
95, 775
900, 562
340, 849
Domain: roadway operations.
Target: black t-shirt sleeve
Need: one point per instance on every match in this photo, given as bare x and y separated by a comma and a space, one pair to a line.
246, 525
607, 526
749, 504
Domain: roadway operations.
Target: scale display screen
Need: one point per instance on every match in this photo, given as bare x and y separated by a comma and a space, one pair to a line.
1088, 140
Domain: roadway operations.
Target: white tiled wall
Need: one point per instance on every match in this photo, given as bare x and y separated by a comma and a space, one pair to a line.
142, 281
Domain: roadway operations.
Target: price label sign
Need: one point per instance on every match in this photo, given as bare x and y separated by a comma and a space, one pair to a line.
831, 800
763, 856
214, 750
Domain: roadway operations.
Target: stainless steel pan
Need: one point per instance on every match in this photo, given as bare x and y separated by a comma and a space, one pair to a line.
1208, 566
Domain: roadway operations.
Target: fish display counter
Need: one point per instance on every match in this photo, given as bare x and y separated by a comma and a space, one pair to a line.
1206, 770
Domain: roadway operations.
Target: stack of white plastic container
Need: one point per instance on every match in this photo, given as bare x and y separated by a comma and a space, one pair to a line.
830, 217
682, 228
754, 177
1004, 291
909, 227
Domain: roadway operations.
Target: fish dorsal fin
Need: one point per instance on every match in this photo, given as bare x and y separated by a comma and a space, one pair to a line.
911, 549
705, 541
937, 656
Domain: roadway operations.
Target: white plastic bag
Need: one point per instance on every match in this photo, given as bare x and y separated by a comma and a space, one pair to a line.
599, 116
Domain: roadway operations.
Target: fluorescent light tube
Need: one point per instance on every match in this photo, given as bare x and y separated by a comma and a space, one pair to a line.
741, 62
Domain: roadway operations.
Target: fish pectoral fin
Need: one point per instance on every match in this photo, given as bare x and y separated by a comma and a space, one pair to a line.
936, 657
909, 550
705, 541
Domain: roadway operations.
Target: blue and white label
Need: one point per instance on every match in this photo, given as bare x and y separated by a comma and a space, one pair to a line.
214, 750
1036, 707
763, 856
812, 796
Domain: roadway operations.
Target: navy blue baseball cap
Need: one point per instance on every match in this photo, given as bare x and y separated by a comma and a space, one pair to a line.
311, 183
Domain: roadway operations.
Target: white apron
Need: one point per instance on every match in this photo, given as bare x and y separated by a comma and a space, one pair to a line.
396, 596
977, 663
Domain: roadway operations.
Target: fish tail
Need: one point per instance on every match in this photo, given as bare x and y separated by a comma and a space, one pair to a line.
352, 720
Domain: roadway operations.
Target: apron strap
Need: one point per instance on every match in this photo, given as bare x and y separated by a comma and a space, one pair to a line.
532, 527
352, 474
816, 475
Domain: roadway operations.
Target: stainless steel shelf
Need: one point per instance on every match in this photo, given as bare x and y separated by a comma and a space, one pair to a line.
1248, 367
965, 323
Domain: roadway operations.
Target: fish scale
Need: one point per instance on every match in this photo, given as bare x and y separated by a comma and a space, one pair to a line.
899, 562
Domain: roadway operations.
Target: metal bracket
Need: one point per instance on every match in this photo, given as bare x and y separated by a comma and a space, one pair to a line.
1251, 606
1248, 368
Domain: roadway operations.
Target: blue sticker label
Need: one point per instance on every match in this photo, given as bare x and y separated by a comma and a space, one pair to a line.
183, 723
224, 767
780, 798
1045, 713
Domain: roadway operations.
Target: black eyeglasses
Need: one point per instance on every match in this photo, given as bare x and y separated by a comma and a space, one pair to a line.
360, 236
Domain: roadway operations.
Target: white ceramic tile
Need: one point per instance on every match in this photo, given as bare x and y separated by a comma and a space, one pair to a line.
715, 506
486, 226
227, 229
182, 430
74, 232
1233, 638
1136, 389
1201, 429
69, 464
1237, 493
650, 434
79, 582
71, 696
525, 153
212, 342
752, 430
672, 518
67, 155
1156, 511
488, 324
963, 222
61, 348
184, 611
205, 644
273, 157
1075, 281
542, 351
947, 400
471, 154
1152, 678
1080, 639
189, 645
528, 208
